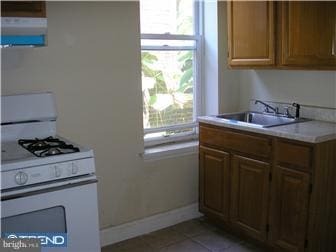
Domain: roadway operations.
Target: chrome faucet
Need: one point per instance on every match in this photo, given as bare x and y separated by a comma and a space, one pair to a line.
268, 107
276, 109
297, 111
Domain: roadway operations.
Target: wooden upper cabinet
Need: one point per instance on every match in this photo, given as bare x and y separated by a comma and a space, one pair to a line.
251, 33
23, 9
214, 182
283, 35
308, 33
249, 196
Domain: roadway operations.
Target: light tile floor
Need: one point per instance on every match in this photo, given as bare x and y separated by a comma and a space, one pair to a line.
196, 235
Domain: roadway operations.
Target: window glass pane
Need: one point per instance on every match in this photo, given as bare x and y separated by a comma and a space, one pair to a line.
167, 86
169, 42
167, 16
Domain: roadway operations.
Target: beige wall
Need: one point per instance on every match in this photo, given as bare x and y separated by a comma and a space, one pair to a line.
92, 64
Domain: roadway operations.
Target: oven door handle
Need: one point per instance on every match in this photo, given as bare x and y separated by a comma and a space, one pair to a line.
42, 189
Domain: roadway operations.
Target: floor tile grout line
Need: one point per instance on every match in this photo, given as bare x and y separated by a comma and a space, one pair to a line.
167, 245
189, 239
201, 244
189, 233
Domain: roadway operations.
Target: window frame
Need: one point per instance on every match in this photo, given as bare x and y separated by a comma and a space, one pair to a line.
197, 66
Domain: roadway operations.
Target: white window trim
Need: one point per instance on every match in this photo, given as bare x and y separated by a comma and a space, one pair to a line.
172, 150
169, 36
168, 48
198, 48
179, 137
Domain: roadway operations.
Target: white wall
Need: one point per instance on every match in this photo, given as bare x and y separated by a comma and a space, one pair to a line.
221, 85
92, 64
229, 82
307, 87
211, 93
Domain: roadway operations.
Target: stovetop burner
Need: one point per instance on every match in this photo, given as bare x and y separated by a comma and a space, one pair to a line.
49, 146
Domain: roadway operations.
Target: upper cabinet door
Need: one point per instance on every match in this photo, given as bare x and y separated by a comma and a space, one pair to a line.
308, 34
251, 33
23, 9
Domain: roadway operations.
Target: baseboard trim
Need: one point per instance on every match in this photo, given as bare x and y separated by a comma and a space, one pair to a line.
129, 230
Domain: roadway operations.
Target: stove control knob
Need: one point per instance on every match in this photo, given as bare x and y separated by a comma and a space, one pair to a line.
74, 168
58, 172
21, 178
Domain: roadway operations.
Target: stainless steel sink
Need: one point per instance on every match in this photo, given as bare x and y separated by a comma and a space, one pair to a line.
256, 119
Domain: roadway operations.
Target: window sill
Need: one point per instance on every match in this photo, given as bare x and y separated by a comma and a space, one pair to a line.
170, 150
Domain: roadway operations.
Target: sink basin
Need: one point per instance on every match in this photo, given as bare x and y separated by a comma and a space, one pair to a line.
256, 119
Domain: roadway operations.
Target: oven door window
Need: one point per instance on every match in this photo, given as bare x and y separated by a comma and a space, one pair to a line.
48, 220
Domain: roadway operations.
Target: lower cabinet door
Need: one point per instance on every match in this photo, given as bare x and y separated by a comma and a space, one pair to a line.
289, 209
214, 182
249, 196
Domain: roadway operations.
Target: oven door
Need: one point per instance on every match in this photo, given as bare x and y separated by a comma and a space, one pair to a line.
69, 208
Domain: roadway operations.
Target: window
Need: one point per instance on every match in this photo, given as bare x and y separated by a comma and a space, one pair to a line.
170, 55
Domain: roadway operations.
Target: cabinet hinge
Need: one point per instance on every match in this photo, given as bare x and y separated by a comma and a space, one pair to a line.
306, 243
267, 228
310, 188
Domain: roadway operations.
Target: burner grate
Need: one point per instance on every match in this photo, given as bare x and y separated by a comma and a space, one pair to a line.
49, 146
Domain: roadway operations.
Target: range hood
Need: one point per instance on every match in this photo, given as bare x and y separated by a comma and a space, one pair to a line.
23, 32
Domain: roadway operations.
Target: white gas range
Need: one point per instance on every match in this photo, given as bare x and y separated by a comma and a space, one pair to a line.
48, 183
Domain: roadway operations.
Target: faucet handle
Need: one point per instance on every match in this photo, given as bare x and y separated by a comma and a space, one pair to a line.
296, 105
297, 112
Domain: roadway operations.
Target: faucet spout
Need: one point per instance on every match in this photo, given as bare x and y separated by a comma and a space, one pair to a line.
268, 107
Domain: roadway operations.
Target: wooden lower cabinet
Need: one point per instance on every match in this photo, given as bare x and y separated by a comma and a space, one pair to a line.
214, 182
277, 191
289, 209
249, 196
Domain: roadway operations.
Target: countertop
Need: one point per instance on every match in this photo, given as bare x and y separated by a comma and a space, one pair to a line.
309, 131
